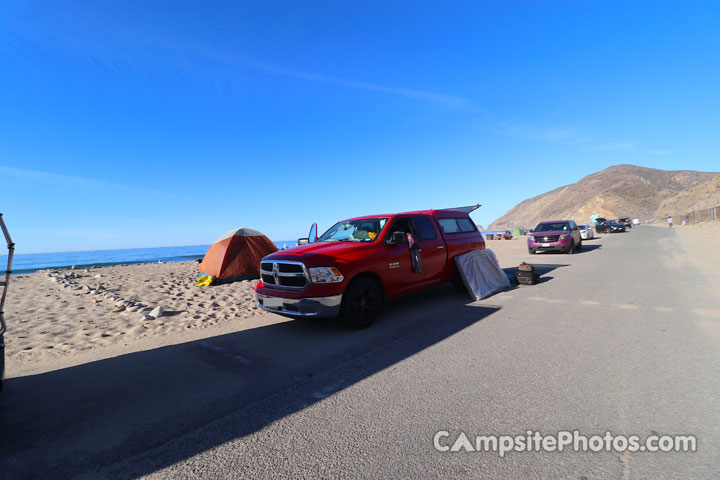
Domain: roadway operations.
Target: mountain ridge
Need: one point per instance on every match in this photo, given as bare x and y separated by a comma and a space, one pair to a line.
619, 190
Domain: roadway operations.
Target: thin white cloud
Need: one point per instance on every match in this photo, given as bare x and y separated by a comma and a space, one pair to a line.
106, 53
660, 152
562, 135
232, 58
55, 178
37, 176
623, 146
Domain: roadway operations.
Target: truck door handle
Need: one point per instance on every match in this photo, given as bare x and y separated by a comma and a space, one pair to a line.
440, 246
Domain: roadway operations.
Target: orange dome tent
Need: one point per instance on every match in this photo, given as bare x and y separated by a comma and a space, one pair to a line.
236, 255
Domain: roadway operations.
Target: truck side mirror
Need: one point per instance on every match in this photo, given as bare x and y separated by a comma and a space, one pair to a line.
395, 238
303, 241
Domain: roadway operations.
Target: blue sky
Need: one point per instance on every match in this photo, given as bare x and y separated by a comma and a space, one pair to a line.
138, 124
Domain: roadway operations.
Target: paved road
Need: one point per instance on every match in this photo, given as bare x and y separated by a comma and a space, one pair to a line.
622, 337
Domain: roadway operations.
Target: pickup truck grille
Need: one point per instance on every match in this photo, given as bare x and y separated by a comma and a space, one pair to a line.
546, 238
283, 274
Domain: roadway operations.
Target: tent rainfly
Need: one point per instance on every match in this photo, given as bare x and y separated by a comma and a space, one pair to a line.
236, 255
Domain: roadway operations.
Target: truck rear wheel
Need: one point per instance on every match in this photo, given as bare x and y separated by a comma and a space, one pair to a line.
361, 303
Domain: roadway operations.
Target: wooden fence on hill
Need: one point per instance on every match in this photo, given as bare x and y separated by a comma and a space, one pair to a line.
703, 215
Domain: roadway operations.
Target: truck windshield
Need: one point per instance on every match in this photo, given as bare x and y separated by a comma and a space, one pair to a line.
362, 230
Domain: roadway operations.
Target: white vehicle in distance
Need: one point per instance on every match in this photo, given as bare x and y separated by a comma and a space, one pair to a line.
586, 232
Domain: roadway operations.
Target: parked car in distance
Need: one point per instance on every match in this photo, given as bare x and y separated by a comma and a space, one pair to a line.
555, 235
358, 263
586, 232
608, 226
627, 221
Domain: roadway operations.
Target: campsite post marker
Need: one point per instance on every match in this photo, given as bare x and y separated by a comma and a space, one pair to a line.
4, 284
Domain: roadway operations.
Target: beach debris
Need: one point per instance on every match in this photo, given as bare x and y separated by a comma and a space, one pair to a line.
98, 275
157, 312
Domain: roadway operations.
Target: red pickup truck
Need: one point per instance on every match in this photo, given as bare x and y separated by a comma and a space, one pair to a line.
358, 263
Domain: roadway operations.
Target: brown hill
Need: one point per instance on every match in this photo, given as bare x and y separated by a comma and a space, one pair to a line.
621, 190
705, 195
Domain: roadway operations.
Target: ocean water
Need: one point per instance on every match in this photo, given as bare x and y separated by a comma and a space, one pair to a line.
32, 262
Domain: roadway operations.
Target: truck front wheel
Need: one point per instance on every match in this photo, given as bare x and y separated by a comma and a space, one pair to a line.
361, 303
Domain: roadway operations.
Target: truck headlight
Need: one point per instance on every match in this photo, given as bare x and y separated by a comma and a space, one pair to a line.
325, 275
563, 235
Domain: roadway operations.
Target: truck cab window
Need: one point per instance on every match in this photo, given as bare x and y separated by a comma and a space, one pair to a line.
449, 225
402, 225
424, 228
466, 225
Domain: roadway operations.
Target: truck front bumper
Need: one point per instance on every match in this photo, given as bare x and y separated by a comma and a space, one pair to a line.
301, 307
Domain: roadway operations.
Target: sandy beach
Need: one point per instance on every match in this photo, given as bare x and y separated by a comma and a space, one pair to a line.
56, 322
61, 318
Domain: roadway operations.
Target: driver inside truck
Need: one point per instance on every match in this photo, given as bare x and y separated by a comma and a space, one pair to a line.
402, 226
